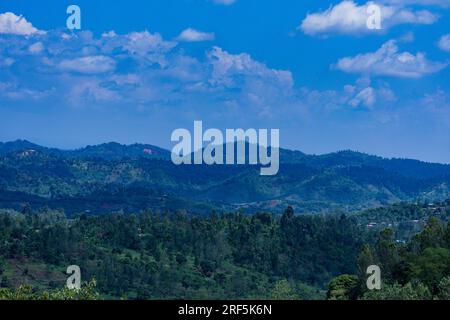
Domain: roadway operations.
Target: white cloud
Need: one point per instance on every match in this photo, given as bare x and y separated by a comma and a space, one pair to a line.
142, 43
36, 48
365, 97
12, 24
228, 69
142, 69
444, 42
247, 82
388, 61
88, 65
110, 34
192, 35
147, 47
364, 94
347, 17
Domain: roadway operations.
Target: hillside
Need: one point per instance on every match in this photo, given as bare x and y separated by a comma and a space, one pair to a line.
114, 177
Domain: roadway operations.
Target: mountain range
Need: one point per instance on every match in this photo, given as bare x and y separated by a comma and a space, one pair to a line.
114, 177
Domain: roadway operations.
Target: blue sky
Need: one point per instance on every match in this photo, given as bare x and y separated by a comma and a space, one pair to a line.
139, 69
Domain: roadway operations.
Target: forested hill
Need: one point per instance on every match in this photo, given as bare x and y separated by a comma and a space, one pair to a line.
108, 151
228, 256
114, 177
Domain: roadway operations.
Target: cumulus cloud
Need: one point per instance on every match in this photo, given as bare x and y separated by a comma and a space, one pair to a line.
388, 61
249, 82
347, 17
145, 46
88, 65
144, 43
229, 69
18, 25
192, 35
444, 42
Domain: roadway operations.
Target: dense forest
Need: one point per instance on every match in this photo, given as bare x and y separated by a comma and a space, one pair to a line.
226, 256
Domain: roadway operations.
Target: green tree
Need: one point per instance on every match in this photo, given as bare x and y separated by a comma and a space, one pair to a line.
283, 291
433, 234
27, 292
444, 289
399, 292
386, 251
343, 287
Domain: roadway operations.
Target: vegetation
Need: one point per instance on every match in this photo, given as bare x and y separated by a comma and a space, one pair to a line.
113, 177
26, 292
226, 256
151, 256
142, 228
417, 270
